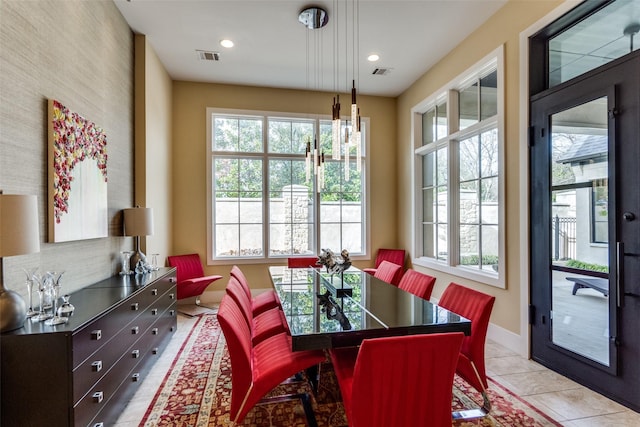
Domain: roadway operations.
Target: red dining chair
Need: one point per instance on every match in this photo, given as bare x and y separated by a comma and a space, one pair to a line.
261, 302
262, 326
411, 385
303, 262
395, 256
190, 276
417, 283
475, 306
388, 272
257, 369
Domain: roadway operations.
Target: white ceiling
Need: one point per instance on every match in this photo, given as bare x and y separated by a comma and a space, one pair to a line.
273, 49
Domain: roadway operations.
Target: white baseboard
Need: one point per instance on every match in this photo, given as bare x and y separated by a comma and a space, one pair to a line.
510, 340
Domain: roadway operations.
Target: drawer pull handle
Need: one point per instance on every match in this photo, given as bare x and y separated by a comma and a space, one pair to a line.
135, 377
96, 366
155, 350
154, 312
98, 425
135, 354
154, 292
172, 313
171, 296
172, 279
98, 396
134, 306
135, 330
172, 329
96, 334
154, 331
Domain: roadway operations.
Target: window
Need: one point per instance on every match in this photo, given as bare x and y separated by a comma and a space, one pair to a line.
262, 201
458, 187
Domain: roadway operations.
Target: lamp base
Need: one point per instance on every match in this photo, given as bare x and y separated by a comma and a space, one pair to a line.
13, 310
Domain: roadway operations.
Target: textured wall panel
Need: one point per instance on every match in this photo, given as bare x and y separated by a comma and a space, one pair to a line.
80, 53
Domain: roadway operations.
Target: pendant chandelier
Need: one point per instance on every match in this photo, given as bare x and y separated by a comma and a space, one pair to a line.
349, 135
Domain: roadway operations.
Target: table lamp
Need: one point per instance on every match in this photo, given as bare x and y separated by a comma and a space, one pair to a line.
19, 235
138, 222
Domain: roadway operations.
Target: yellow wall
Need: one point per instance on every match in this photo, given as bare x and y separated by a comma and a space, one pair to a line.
502, 28
190, 101
153, 145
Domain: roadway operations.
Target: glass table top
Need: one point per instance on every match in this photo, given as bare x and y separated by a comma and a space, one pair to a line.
325, 311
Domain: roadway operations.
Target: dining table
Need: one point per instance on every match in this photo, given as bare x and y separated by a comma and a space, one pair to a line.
325, 310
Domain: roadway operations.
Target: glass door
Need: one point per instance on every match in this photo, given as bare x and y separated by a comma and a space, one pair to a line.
585, 231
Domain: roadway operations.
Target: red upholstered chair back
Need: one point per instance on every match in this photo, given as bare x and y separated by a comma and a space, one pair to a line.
235, 291
303, 262
395, 256
475, 306
188, 266
242, 279
404, 381
388, 271
417, 283
238, 337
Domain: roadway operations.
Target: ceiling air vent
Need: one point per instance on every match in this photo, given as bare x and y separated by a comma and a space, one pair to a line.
381, 71
205, 55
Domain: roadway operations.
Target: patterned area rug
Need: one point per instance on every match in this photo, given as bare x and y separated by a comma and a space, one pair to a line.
197, 393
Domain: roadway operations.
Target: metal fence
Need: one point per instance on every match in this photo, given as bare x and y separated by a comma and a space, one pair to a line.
564, 238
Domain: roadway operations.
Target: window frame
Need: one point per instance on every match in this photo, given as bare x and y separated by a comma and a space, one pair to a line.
266, 156
449, 94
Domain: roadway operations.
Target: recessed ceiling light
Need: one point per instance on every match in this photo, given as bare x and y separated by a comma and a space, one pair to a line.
226, 43
373, 57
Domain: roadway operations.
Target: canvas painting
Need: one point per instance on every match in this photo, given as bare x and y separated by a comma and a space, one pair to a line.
77, 176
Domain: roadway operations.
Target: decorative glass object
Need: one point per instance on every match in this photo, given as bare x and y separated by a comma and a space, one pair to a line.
154, 262
125, 258
38, 280
66, 309
55, 291
30, 280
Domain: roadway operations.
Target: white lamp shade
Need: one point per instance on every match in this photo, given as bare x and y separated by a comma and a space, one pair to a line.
19, 230
138, 221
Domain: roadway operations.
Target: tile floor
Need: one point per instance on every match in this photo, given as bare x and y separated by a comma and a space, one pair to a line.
566, 401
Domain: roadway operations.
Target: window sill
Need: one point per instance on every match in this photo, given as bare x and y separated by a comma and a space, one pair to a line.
485, 277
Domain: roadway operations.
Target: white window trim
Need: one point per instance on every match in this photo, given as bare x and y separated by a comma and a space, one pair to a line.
493, 59
210, 111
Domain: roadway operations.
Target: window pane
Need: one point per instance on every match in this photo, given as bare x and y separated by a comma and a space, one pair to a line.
443, 167
250, 176
227, 240
490, 247
225, 134
592, 42
428, 205
251, 240
289, 136
326, 138
429, 169
352, 237
489, 96
469, 202
428, 240
489, 153
429, 126
469, 245
469, 159
442, 128
250, 208
489, 200
226, 174
442, 248
227, 208
469, 106
442, 204
250, 136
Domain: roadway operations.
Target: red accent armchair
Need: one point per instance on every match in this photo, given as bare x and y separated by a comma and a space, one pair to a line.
475, 306
258, 368
395, 256
401, 381
417, 283
191, 279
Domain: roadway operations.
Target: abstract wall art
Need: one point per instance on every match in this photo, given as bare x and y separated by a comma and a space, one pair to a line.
77, 176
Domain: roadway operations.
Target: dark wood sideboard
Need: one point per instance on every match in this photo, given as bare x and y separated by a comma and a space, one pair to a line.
84, 372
